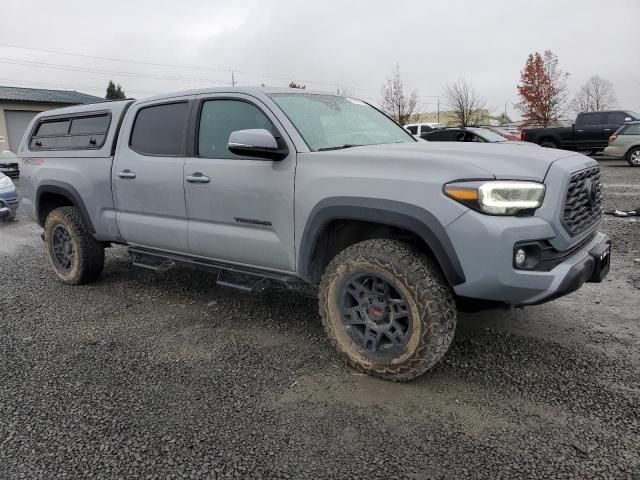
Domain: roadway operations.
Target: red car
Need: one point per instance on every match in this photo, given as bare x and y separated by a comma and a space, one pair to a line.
505, 134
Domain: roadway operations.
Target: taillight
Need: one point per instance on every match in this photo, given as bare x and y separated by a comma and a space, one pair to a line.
523, 135
612, 138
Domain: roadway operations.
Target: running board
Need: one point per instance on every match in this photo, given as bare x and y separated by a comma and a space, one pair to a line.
232, 276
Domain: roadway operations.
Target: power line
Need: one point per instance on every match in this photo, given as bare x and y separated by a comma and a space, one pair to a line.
75, 68
24, 83
194, 67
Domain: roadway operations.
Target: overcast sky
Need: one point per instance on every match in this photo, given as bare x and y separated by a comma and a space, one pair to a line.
347, 44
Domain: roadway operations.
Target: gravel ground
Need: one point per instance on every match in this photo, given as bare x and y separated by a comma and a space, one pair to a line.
145, 375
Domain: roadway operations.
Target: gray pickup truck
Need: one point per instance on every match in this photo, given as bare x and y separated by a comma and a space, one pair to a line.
298, 189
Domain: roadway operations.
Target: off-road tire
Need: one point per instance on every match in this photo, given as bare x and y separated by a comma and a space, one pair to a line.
88, 259
630, 154
548, 144
419, 280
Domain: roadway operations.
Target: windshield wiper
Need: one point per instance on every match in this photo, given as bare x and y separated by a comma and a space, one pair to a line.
341, 147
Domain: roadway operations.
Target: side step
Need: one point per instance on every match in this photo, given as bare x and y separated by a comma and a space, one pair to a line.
232, 276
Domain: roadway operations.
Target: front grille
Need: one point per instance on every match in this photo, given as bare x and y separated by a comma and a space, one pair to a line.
583, 203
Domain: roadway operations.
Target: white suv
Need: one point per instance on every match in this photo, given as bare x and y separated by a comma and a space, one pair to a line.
419, 129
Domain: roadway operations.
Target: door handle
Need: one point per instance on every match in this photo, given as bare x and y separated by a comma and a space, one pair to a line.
197, 178
581, 130
126, 174
607, 129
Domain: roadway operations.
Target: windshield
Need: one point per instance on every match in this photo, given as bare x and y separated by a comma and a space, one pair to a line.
634, 115
488, 135
329, 122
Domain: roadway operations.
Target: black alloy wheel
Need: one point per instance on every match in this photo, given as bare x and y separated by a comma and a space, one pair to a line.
64, 250
376, 315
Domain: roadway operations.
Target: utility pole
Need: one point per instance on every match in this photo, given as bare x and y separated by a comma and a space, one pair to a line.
505, 113
438, 109
233, 79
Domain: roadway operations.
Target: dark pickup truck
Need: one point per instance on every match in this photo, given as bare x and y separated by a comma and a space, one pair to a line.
590, 132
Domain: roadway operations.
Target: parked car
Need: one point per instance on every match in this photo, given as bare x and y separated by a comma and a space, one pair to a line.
590, 132
316, 191
469, 134
8, 199
504, 133
625, 143
419, 130
9, 164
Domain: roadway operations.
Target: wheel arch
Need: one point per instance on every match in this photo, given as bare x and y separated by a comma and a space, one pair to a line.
56, 194
548, 138
375, 214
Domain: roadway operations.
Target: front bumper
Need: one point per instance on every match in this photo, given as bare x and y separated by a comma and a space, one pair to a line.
8, 202
485, 249
10, 169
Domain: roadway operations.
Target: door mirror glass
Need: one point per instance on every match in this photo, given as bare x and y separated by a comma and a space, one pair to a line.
256, 142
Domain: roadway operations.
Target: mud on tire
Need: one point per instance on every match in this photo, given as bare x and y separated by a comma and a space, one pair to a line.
406, 348
76, 257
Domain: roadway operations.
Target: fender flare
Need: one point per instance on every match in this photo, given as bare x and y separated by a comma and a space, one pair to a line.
66, 190
387, 212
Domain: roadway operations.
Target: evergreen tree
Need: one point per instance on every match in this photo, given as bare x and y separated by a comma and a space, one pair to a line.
114, 92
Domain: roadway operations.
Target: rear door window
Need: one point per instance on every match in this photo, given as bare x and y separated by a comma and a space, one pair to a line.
160, 130
630, 130
590, 119
413, 129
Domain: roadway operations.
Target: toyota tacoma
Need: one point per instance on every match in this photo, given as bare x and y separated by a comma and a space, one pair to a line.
313, 191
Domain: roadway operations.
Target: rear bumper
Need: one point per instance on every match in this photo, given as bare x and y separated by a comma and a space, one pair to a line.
615, 151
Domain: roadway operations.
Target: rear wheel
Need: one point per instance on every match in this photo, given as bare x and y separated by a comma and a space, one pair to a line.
633, 157
387, 309
548, 144
76, 257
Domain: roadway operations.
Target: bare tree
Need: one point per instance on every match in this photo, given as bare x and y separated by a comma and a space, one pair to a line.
595, 95
395, 102
467, 107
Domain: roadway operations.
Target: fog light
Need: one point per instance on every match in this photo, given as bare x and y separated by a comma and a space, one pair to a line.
520, 258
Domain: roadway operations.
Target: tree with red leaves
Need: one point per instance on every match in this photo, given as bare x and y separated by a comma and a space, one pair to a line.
543, 90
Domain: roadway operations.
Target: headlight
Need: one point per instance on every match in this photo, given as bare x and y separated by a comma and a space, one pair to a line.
498, 197
5, 182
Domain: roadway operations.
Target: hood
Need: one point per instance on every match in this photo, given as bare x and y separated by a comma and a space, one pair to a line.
500, 160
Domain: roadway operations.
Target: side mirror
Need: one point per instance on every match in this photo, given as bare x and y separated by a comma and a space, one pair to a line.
628, 119
256, 142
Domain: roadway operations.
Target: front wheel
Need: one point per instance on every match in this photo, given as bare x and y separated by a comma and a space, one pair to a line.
633, 157
76, 257
387, 309
548, 144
